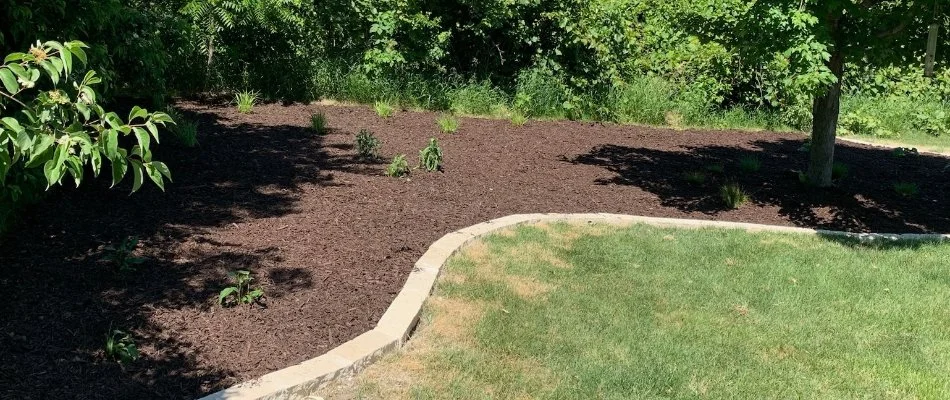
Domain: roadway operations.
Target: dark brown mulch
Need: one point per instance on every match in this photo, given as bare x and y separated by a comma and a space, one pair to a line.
331, 240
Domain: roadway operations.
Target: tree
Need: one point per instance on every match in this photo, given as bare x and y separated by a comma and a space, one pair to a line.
812, 43
52, 121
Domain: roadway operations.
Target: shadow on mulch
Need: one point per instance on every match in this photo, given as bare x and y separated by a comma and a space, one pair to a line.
61, 311
865, 194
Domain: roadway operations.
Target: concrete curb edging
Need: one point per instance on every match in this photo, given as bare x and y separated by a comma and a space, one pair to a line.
301, 381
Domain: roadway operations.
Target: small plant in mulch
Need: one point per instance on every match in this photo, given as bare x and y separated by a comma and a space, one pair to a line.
430, 158
383, 109
901, 152
121, 256
732, 195
246, 101
318, 122
448, 123
906, 189
399, 167
120, 346
367, 145
839, 171
695, 177
717, 168
750, 164
240, 292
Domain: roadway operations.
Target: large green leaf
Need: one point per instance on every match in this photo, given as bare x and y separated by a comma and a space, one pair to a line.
136, 175
9, 81
119, 168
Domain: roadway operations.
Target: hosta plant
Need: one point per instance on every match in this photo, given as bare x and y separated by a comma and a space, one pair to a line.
122, 257
240, 292
50, 119
121, 347
430, 158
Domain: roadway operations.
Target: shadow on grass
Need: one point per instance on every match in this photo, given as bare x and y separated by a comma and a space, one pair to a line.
863, 201
60, 298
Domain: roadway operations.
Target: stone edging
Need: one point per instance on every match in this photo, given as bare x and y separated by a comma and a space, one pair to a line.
301, 381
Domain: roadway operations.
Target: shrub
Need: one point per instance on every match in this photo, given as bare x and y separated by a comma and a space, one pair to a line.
935, 123
121, 347
750, 164
318, 122
732, 195
383, 109
398, 167
367, 145
861, 124
905, 152
121, 255
906, 189
518, 119
476, 98
448, 123
695, 177
240, 292
64, 131
246, 101
839, 171
430, 158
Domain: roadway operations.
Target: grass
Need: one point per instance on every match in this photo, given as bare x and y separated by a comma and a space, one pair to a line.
732, 195
582, 312
447, 123
383, 109
246, 101
750, 164
898, 115
318, 122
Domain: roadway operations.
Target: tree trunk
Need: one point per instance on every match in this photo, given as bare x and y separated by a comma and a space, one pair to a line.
825, 125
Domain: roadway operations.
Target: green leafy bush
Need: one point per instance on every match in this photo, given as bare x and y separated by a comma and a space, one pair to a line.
121, 347
732, 195
839, 171
861, 124
906, 189
447, 123
430, 158
934, 123
367, 145
246, 101
901, 152
318, 122
383, 109
240, 292
399, 167
51, 120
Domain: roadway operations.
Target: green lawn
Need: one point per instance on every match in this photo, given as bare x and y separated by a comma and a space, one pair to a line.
578, 312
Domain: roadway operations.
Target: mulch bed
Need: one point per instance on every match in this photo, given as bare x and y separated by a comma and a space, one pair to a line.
331, 240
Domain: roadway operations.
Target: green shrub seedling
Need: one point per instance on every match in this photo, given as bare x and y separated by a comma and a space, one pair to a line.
240, 292
318, 122
121, 255
430, 158
367, 145
121, 347
906, 189
398, 167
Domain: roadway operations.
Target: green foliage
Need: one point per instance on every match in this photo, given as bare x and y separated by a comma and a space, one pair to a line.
447, 123
398, 168
246, 101
52, 121
383, 109
184, 131
122, 257
120, 346
430, 158
906, 189
901, 152
750, 164
518, 119
732, 195
861, 124
934, 123
695, 177
367, 145
318, 122
240, 292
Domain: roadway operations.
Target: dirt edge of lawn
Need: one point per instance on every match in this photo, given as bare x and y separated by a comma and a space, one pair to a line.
397, 323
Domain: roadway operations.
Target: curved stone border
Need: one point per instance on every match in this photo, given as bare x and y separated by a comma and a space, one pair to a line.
301, 381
